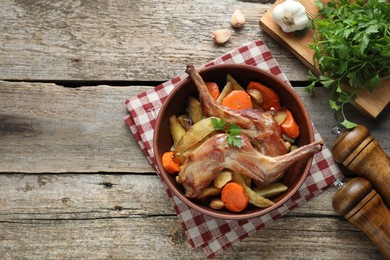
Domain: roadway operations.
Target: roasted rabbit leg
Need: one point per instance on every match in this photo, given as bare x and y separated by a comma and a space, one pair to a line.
208, 160
260, 126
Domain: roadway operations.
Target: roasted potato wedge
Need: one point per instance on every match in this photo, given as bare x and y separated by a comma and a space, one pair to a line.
271, 190
222, 178
177, 131
184, 155
254, 198
225, 91
256, 98
209, 191
194, 109
235, 84
195, 134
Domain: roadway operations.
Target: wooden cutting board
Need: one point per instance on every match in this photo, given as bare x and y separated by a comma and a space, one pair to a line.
369, 103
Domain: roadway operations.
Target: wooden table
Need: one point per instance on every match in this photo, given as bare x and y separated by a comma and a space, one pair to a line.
74, 183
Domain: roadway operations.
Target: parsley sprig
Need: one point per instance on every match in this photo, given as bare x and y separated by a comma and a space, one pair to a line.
352, 45
233, 131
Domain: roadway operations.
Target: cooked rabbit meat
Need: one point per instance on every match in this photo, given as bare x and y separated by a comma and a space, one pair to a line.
258, 125
208, 160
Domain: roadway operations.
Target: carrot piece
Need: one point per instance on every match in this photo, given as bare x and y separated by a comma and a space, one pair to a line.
237, 100
234, 197
269, 96
213, 89
171, 163
289, 126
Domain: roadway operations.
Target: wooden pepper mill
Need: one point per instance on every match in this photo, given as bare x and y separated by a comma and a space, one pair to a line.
362, 154
363, 207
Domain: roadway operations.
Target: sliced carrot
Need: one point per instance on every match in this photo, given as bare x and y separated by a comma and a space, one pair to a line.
269, 96
171, 163
237, 100
234, 197
289, 126
213, 89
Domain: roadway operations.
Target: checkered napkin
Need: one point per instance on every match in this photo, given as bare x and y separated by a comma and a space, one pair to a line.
211, 234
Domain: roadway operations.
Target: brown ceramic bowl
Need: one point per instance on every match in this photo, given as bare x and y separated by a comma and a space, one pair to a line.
176, 103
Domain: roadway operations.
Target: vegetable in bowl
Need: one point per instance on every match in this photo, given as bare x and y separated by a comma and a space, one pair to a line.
226, 145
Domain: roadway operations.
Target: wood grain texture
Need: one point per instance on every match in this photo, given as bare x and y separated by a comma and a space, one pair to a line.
50, 128
73, 181
146, 40
160, 237
106, 216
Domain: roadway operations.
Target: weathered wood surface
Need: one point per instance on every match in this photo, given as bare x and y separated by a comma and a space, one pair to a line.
73, 182
50, 128
126, 216
123, 40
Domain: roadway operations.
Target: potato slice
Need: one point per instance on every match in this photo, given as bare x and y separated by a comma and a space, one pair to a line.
194, 109
195, 134
280, 115
256, 96
235, 84
254, 198
183, 156
257, 200
177, 131
216, 203
209, 191
271, 190
222, 178
225, 91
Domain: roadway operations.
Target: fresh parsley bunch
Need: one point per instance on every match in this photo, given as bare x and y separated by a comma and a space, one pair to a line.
352, 45
233, 131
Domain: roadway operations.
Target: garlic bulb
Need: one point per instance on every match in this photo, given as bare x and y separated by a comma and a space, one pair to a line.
290, 16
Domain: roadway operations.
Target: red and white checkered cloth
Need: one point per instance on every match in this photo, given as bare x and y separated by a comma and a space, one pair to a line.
211, 234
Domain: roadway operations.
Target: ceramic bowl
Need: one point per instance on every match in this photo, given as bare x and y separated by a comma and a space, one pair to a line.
176, 103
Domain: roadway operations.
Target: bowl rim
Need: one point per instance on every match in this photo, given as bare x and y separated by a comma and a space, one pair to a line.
222, 215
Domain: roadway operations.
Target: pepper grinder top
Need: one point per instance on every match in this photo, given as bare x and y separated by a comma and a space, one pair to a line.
362, 154
349, 143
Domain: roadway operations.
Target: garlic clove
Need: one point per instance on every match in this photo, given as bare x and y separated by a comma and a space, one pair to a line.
238, 19
221, 36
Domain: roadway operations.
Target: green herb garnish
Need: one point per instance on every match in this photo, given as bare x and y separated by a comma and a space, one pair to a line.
352, 46
233, 131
